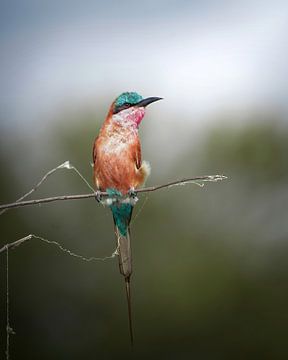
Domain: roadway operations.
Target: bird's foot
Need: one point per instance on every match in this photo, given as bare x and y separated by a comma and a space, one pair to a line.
132, 194
98, 196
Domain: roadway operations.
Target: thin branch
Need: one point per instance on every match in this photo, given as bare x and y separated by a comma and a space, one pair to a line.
46, 200
19, 242
67, 165
198, 180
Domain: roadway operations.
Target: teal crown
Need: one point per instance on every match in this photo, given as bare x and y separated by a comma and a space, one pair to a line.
130, 98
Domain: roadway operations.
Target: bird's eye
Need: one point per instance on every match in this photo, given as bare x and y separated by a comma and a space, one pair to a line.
126, 105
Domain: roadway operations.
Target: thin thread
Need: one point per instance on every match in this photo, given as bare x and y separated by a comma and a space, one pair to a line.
69, 252
82, 177
139, 210
7, 304
9, 329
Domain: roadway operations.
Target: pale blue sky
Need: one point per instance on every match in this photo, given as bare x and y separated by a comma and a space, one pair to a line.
202, 57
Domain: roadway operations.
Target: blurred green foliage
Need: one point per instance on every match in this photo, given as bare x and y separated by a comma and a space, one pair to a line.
258, 151
210, 264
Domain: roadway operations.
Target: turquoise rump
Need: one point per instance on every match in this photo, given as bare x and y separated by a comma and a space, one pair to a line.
121, 212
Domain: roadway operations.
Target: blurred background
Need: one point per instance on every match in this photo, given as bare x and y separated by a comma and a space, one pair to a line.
210, 264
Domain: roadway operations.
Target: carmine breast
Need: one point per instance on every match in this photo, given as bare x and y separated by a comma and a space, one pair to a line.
115, 163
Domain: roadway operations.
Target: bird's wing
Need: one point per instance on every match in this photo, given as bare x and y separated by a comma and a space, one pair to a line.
143, 169
137, 155
94, 152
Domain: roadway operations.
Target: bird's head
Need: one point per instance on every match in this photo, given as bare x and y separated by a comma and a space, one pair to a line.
129, 107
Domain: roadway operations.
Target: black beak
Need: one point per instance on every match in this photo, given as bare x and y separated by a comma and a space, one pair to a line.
147, 101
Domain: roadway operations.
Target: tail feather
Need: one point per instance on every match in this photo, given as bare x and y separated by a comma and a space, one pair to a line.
124, 252
128, 295
122, 215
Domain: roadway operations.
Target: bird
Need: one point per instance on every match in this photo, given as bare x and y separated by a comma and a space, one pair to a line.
119, 171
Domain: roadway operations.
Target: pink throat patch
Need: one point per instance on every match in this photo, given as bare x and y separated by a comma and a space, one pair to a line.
139, 114
130, 117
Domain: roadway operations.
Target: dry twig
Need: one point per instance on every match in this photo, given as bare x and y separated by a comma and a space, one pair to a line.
195, 180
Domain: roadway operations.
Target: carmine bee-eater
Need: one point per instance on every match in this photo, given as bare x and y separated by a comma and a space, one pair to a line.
119, 170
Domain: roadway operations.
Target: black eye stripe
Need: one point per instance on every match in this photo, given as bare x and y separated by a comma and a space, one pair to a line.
122, 107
